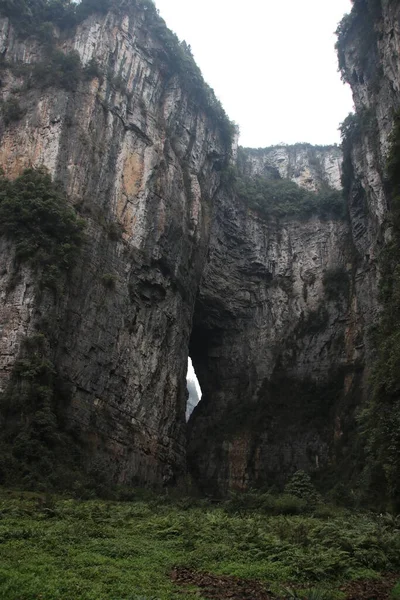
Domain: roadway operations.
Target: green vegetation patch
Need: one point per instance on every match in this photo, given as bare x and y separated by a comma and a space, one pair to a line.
396, 592
60, 549
35, 447
48, 234
36, 17
36, 451
282, 197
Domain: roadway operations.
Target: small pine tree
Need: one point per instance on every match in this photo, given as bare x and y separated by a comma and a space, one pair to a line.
300, 485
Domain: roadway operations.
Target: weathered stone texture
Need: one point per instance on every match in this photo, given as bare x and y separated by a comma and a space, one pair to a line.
266, 329
251, 429
173, 259
309, 166
140, 160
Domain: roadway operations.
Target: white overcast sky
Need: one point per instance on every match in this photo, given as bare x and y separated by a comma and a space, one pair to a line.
272, 63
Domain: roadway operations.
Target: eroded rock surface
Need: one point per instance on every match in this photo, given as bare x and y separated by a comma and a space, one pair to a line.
309, 166
140, 159
275, 310
276, 346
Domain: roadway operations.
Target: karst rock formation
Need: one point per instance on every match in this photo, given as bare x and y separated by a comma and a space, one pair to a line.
273, 303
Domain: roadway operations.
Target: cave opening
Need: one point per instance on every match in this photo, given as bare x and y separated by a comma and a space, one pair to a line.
193, 388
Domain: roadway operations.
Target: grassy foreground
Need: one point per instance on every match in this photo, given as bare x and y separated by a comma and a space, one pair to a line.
64, 549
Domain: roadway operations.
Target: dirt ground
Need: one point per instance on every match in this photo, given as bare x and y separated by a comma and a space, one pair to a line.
218, 587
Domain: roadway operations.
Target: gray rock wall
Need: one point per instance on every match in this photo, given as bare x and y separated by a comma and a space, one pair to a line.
281, 382
276, 348
309, 166
140, 161
275, 311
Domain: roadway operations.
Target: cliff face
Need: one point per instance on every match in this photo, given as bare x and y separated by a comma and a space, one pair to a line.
273, 304
368, 48
309, 166
140, 160
276, 341
281, 382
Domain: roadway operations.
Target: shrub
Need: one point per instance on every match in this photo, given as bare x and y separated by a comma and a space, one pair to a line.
60, 70
35, 215
283, 504
35, 449
300, 486
93, 70
282, 197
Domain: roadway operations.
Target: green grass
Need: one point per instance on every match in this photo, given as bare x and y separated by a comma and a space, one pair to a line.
396, 592
92, 550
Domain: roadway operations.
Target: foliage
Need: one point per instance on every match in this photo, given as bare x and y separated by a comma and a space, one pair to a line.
32, 17
35, 215
313, 594
282, 197
266, 503
59, 70
35, 449
396, 592
58, 548
11, 110
93, 70
300, 486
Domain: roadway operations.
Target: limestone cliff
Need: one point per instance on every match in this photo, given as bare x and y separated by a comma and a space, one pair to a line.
276, 340
138, 153
308, 166
368, 47
281, 382
254, 265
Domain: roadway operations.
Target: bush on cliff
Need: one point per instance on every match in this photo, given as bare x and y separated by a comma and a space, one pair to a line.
282, 197
47, 232
35, 449
300, 486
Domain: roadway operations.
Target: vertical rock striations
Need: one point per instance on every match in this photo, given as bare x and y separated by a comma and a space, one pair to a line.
309, 166
257, 268
113, 116
276, 337
368, 46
